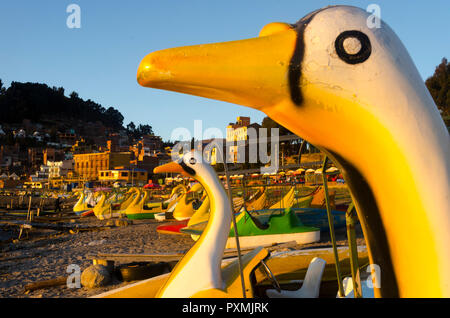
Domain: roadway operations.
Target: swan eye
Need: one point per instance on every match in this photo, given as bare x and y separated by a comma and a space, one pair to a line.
185, 167
353, 47
192, 161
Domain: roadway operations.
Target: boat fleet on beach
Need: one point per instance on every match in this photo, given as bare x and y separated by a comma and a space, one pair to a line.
186, 211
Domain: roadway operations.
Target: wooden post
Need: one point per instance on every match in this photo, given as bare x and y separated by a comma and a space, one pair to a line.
331, 225
46, 283
29, 208
351, 219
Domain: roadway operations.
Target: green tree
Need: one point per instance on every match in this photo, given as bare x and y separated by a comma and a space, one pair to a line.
145, 130
131, 127
438, 84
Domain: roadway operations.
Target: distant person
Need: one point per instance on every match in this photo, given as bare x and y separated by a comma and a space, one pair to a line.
58, 204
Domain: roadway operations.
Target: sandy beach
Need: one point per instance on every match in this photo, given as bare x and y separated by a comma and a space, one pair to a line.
43, 254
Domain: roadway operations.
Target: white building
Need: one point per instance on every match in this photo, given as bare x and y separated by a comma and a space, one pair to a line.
241, 131
60, 168
41, 175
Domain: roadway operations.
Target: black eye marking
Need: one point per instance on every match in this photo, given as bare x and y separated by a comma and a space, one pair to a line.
186, 168
359, 57
295, 65
192, 161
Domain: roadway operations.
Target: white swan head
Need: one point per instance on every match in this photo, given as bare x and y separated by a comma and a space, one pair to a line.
200, 268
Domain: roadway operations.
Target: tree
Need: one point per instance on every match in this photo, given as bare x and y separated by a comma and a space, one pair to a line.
73, 95
131, 127
145, 130
2, 89
438, 84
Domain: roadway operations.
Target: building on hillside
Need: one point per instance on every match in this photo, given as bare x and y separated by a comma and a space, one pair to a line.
67, 138
41, 175
88, 165
10, 183
59, 169
81, 146
147, 153
238, 133
148, 163
52, 154
148, 145
133, 176
117, 142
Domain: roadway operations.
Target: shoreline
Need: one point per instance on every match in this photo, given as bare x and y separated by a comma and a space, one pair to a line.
46, 254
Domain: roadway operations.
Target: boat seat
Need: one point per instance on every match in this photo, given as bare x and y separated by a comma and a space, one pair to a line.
311, 284
258, 223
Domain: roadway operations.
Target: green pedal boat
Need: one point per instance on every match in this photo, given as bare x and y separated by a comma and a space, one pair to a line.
278, 228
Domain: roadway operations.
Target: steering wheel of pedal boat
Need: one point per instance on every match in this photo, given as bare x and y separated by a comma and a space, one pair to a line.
270, 276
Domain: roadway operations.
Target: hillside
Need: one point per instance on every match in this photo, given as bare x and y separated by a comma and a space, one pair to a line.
38, 102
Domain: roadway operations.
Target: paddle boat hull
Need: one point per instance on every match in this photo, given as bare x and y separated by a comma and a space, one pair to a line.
313, 217
141, 215
304, 202
85, 212
319, 218
280, 226
270, 239
288, 268
172, 227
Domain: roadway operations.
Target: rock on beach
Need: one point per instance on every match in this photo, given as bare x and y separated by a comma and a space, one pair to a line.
95, 276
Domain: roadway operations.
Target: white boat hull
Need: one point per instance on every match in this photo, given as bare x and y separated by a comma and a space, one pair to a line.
265, 240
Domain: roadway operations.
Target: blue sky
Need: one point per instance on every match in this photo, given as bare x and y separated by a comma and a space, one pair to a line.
100, 60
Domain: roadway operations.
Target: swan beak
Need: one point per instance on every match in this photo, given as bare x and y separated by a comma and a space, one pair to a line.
171, 167
252, 72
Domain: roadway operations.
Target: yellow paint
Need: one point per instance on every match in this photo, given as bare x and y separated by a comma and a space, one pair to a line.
261, 65
259, 203
201, 215
232, 278
393, 185
80, 205
144, 289
286, 202
274, 27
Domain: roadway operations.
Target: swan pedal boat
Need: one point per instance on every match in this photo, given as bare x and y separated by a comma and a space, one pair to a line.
82, 207
314, 217
175, 227
331, 69
113, 205
280, 227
